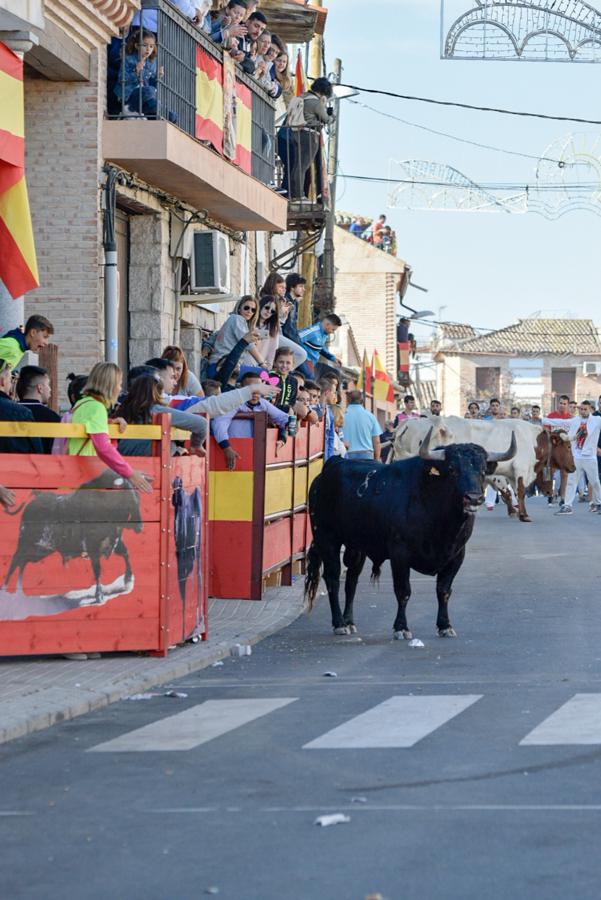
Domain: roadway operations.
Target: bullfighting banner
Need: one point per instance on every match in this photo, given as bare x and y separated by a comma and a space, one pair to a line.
18, 265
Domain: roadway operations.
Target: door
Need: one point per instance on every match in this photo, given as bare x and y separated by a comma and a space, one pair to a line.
563, 381
122, 240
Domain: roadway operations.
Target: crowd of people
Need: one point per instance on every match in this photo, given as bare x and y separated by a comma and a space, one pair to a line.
376, 232
242, 31
258, 361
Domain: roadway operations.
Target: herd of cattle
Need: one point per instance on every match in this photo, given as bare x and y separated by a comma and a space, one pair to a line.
418, 512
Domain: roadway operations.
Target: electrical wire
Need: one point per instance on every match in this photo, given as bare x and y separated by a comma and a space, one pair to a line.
454, 137
456, 104
495, 186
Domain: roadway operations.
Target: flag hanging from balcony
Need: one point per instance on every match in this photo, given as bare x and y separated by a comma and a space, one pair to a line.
18, 266
223, 109
382, 381
404, 350
365, 376
300, 83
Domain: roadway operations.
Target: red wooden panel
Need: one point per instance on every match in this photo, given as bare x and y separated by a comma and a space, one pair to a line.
277, 544
24, 470
244, 446
284, 454
317, 438
301, 443
230, 560
299, 533
53, 635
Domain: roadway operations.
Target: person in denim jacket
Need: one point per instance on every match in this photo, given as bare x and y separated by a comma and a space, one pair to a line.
137, 83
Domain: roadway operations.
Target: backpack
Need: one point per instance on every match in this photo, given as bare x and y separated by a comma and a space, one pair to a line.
296, 113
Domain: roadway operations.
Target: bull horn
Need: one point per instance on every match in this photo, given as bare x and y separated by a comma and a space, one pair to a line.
432, 455
509, 454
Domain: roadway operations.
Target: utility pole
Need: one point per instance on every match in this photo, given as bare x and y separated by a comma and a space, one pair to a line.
328, 279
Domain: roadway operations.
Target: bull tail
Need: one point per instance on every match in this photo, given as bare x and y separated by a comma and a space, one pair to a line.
376, 571
313, 575
14, 512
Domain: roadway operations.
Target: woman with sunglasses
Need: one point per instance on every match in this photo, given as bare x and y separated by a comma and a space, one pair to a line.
239, 326
275, 286
269, 328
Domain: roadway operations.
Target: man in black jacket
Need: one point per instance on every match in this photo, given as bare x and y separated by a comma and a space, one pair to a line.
34, 392
14, 412
295, 289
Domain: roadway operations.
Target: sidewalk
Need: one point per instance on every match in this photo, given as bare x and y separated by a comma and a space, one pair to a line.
36, 693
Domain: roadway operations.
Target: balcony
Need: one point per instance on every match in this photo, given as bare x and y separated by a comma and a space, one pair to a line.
204, 133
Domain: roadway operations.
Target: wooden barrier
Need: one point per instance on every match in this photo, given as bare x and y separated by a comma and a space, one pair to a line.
89, 564
258, 520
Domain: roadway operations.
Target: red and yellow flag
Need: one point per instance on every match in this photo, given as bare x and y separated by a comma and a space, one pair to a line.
300, 82
365, 376
382, 381
220, 107
18, 265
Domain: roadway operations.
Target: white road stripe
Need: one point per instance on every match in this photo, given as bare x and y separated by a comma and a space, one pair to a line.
576, 722
192, 727
398, 722
387, 807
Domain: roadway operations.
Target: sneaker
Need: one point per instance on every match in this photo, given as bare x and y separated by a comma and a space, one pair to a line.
564, 511
594, 507
489, 507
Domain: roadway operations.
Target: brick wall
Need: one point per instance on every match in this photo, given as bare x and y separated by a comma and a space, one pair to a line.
62, 126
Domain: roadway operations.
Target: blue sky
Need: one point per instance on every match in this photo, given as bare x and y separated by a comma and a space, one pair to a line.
486, 269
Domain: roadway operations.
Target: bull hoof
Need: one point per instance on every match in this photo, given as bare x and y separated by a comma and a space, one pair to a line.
404, 635
447, 632
352, 629
344, 630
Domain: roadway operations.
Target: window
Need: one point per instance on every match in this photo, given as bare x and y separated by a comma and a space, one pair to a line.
488, 380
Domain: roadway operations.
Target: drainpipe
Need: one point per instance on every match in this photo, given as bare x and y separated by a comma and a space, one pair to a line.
111, 281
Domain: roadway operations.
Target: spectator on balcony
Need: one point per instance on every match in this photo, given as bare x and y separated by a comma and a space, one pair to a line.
357, 227
34, 392
136, 85
187, 384
255, 26
377, 231
287, 383
238, 324
315, 339
268, 326
267, 52
295, 291
197, 11
227, 27
303, 407
299, 139
282, 74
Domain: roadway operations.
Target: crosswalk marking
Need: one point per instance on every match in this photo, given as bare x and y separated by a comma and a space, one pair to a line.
576, 722
192, 727
397, 722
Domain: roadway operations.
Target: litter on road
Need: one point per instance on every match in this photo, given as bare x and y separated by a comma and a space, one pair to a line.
179, 695
416, 643
241, 650
330, 675
334, 819
217, 664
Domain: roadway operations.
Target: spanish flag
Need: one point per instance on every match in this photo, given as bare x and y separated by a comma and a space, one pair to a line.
18, 266
382, 381
300, 82
365, 376
223, 102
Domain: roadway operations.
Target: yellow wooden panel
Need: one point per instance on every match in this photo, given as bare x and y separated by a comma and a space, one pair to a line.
315, 468
67, 430
300, 485
231, 496
278, 490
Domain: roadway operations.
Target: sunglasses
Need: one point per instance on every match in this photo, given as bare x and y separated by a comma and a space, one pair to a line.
249, 309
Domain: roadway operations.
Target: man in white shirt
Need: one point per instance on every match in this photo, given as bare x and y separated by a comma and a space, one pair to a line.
583, 431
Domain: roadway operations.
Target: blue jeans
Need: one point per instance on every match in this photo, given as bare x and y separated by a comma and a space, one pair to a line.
360, 454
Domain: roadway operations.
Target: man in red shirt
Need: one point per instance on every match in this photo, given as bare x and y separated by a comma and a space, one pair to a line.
562, 412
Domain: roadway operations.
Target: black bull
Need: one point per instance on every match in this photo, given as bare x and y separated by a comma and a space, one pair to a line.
418, 513
89, 521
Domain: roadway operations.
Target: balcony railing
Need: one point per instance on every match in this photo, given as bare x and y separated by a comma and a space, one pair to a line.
192, 83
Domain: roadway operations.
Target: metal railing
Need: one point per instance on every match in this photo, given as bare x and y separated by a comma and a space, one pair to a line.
167, 87
304, 179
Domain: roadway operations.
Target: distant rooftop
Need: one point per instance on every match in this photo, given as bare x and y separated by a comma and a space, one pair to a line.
529, 336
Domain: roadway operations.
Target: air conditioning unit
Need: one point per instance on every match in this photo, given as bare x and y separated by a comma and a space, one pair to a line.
591, 368
210, 263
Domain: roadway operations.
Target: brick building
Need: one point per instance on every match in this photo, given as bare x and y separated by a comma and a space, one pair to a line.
160, 179
532, 361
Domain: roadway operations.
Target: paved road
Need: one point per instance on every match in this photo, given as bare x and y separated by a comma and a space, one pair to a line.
469, 768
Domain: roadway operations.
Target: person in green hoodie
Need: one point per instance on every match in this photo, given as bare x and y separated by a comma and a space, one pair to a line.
283, 364
14, 344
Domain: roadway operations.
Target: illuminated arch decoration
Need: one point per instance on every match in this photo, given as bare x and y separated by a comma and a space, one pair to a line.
574, 183
527, 30
425, 185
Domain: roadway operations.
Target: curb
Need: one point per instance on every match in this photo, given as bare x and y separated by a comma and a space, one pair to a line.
53, 705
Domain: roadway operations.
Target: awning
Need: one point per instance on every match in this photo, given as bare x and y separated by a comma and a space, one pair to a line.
293, 21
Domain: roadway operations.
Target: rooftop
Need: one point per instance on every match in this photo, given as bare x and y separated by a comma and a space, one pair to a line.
533, 336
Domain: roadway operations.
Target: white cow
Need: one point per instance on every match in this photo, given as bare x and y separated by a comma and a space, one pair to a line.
538, 451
